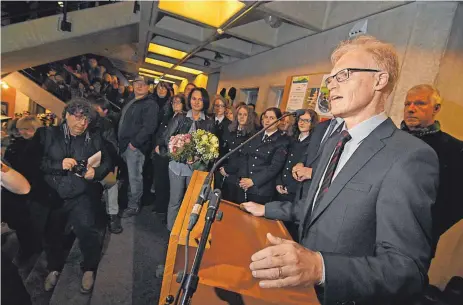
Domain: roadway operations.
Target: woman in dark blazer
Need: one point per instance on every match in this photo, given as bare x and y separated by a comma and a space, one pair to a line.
286, 185
237, 132
221, 126
176, 106
265, 158
180, 173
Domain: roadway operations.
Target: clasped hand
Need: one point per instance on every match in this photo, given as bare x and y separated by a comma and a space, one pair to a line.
301, 173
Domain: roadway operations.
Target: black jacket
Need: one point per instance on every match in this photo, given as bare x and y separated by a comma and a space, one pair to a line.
139, 125
448, 208
221, 129
181, 124
105, 127
57, 146
264, 162
232, 139
295, 155
23, 156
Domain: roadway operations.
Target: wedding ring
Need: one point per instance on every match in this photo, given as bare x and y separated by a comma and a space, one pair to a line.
280, 273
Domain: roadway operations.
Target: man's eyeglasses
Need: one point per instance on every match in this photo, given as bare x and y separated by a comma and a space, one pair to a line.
344, 74
307, 121
81, 118
176, 102
219, 106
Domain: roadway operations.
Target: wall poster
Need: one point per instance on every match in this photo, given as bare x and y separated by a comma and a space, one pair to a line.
322, 106
297, 92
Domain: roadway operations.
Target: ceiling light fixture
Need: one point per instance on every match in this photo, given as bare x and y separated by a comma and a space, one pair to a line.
170, 65
149, 75
201, 10
166, 51
150, 71
174, 76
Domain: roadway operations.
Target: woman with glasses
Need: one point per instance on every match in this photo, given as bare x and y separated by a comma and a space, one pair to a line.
286, 185
180, 173
176, 106
265, 158
237, 132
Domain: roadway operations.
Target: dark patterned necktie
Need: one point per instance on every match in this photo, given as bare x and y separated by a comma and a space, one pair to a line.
331, 168
265, 138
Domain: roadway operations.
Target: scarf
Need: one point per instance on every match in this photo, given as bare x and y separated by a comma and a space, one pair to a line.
419, 133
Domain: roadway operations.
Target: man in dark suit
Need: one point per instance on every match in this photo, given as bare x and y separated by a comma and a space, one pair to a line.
365, 226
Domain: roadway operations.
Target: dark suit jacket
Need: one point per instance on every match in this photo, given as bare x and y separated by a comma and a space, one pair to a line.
295, 152
264, 161
311, 154
373, 226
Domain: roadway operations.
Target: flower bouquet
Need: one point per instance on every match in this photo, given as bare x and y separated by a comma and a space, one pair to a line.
181, 148
196, 149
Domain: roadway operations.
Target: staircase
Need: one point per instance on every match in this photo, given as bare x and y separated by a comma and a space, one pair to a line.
35, 92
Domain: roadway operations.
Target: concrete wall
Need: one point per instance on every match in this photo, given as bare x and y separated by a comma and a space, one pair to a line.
22, 102
450, 79
419, 31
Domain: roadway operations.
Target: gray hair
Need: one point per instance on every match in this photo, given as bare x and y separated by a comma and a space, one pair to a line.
434, 96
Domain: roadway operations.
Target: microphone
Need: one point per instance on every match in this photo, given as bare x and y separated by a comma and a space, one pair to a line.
206, 188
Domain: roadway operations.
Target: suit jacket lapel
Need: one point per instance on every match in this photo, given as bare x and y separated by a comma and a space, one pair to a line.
370, 146
316, 138
325, 157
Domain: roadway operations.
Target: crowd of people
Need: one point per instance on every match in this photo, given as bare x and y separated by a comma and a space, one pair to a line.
367, 215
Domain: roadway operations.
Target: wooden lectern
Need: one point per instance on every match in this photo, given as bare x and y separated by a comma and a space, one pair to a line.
224, 276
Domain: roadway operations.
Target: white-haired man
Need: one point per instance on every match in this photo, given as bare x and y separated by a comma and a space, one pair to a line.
365, 227
422, 104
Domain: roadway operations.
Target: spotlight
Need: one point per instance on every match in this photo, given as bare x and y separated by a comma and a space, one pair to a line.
207, 63
218, 56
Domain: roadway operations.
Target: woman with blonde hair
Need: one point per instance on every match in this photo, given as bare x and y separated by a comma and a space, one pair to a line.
28, 125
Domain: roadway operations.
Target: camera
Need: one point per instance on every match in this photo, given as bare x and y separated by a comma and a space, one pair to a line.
80, 169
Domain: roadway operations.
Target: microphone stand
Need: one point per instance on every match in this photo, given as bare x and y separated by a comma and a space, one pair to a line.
192, 279
190, 285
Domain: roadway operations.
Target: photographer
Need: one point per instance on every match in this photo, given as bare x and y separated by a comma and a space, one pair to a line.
64, 162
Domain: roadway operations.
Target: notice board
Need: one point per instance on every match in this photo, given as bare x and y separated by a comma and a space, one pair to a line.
306, 91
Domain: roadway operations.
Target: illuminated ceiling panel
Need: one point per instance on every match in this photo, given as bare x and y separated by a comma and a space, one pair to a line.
167, 81
149, 75
213, 13
150, 71
158, 62
169, 65
166, 51
174, 76
188, 70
